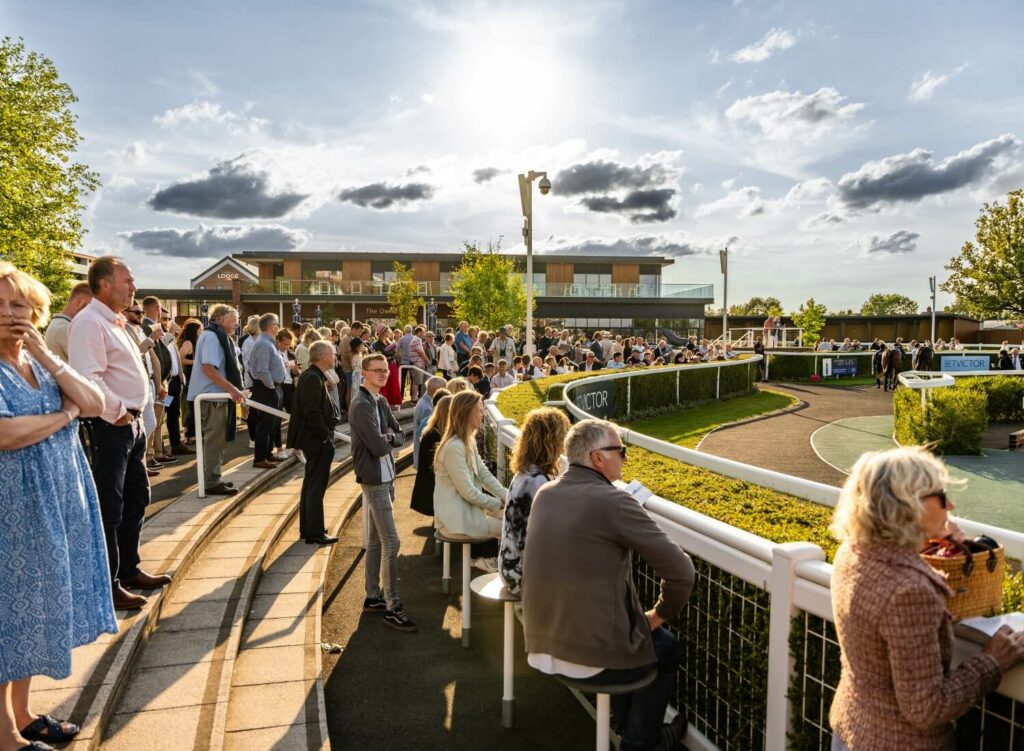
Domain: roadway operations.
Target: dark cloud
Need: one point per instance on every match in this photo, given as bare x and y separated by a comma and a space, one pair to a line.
603, 177
484, 174
383, 196
898, 242
911, 177
645, 245
231, 190
421, 169
213, 242
641, 206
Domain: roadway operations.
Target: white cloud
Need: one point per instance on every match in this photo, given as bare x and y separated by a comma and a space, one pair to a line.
209, 112
746, 201
776, 40
785, 115
924, 87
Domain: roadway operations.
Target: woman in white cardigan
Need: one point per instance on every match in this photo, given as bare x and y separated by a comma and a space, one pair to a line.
467, 497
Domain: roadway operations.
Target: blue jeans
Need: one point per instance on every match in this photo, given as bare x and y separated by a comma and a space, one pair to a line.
383, 546
640, 715
838, 745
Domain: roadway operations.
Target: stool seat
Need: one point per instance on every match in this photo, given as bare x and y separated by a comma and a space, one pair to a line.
583, 686
460, 540
491, 587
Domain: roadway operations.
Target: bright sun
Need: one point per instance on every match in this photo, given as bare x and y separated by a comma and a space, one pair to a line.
507, 80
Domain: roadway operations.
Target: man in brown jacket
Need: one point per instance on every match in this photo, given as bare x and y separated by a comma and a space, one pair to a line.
582, 617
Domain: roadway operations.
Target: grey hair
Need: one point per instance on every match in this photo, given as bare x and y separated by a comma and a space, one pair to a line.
267, 320
584, 437
318, 349
434, 383
220, 311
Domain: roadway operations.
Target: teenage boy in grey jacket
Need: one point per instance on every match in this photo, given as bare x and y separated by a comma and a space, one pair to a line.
375, 431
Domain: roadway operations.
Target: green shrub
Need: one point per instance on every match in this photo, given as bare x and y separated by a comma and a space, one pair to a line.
1005, 395
952, 420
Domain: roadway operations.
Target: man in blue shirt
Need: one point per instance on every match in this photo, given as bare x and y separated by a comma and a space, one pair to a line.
267, 373
420, 415
463, 344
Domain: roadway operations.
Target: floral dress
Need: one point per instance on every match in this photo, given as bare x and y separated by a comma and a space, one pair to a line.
54, 576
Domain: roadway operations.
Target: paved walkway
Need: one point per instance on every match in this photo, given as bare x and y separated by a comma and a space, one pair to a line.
783, 442
391, 690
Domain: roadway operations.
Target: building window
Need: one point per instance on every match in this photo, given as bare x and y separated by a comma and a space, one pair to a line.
650, 285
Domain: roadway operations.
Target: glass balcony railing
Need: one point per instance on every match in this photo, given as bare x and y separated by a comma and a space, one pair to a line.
375, 288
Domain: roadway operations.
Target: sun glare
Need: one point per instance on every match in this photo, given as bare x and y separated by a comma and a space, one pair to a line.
507, 81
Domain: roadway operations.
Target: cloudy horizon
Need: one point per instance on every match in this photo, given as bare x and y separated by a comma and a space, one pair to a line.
837, 151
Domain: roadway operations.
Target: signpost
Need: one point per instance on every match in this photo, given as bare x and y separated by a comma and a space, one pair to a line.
838, 366
961, 363
598, 399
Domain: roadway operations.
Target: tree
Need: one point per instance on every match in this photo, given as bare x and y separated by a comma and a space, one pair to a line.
402, 295
889, 304
41, 189
487, 288
757, 306
810, 318
987, 278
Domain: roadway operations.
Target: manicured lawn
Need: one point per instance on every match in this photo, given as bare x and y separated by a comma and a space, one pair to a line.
686, 428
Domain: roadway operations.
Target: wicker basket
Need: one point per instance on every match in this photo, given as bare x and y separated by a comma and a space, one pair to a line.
975, 578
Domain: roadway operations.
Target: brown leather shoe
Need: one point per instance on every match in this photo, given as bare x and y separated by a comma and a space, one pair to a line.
142, 580
222, 489
124, 600
152, 472
166, 459
264, 465
181, 450
277, 459
154, 464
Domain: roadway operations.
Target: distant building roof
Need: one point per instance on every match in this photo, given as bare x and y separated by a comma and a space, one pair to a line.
335, 255
228, 262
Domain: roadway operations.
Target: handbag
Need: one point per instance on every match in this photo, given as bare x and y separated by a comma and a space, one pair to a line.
974, 570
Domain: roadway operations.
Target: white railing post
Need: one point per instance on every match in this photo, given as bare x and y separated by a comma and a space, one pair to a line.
780, 662
629, 396
678, 373
200, 462
718, 382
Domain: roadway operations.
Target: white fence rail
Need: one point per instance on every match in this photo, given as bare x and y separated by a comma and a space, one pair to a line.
795, 575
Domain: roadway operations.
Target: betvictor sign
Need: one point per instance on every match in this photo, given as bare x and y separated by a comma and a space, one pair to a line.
597, 399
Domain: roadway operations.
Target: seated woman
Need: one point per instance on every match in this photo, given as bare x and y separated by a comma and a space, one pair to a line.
466, 494
423, 488
535, 460
897, 688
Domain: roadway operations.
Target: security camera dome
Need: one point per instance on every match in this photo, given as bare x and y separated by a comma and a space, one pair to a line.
544, 185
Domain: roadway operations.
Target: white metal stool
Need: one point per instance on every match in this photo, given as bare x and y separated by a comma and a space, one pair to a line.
490, 587
446, 575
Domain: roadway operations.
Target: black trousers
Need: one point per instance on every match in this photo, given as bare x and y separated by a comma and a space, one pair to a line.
314, 486
264, 423
173, 413
119, 469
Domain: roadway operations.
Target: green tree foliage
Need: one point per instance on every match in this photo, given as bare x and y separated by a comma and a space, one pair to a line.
987, 277
757, 306
487, 288
41, 189
811, 318
402, 295
889, 304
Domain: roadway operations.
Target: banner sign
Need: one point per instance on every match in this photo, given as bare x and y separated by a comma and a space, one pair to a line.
960, 363
597, 399
844, 366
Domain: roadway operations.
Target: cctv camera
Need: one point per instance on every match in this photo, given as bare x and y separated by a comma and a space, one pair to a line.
544, 185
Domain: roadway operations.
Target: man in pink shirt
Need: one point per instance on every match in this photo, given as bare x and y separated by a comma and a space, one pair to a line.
101, 350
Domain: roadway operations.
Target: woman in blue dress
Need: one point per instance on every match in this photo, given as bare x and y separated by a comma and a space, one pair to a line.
54, 579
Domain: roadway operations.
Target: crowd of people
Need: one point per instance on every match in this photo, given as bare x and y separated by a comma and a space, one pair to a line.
82, 415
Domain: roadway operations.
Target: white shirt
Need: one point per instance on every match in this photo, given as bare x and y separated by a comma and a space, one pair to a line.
545, 663
499, 381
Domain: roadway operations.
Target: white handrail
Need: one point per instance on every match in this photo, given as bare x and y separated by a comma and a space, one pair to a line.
222, 396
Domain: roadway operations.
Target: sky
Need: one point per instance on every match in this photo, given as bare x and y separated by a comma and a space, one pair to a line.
837, 149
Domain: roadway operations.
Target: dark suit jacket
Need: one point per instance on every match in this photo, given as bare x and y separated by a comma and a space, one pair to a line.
314, 414
423, 488
162, 353
1004, 363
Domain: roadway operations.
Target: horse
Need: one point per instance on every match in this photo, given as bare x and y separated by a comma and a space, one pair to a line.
891, 360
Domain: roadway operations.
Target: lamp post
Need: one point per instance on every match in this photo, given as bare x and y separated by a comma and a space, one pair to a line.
526, 197
931, 284
296, 311
723, 258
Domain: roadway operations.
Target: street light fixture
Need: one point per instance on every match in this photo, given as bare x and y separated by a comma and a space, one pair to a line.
526, 197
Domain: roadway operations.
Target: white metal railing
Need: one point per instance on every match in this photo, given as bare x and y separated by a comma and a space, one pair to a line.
795, 575
783, 336
252, 404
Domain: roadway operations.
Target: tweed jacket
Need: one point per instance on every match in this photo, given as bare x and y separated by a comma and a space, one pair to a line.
897, 690
464, 489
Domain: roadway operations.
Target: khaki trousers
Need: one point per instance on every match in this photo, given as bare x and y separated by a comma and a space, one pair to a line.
215, 425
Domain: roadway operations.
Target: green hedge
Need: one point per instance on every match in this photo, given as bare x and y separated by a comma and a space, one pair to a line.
952, 420
1005, 395
801, 367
